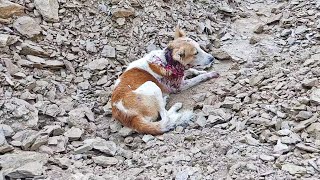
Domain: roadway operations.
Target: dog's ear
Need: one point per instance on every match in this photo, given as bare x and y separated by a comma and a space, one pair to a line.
179, 33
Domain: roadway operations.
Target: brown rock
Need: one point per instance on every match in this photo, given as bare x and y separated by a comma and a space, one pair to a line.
123, 12
9, 9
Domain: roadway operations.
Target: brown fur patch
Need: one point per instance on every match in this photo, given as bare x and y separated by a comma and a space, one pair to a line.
183, 51
159, 70
139, 106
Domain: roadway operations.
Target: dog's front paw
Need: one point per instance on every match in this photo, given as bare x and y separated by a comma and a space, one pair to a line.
213, 75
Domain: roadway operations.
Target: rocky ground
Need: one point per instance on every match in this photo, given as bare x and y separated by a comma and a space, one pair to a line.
259, 120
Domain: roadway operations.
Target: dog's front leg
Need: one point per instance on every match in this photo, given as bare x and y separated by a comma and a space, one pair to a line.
195, 72
186, 84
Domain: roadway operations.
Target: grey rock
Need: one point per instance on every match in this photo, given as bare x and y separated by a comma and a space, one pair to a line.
147, 138
249, 140
83, 149
309, 83
108, 51
294, 169
280, 148
303, 115
91, 47
315, 96
20, 112
59, 145
29, 48
307, 148
28, 170
7, 40
74, 134
41, 140
23, 163
98, 64
125, 131
201, 121
105, 161
266, 157
27, 26
7, 130
48, 9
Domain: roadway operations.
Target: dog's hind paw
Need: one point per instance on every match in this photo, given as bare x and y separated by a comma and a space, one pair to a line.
176, 107
186, 117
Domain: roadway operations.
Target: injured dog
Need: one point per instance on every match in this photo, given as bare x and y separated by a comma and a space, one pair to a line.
140, 94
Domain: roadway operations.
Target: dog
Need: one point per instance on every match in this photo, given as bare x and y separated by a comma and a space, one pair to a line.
140, 94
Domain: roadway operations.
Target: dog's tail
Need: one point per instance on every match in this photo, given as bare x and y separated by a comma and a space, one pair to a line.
146, 127
141, 125
138, 123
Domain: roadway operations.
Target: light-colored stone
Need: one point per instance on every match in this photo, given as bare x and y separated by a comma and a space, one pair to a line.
48, 9
74, 134
7, 40
27, 26
294, 169
108, 51
105, 161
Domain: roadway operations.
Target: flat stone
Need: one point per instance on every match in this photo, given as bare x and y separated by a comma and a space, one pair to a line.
258, 29
91, 47
123, 12
7, 130
307, 148
49, 9
315, 96
9, 9
280, 148
35, 59
83, 149
303, 115
23, 163
249, 140
294, 169
29, 170
255, 80
108, 51
125, 131
97, 64
27, 26
309, 83
41, 140
28, 48
74, 134
274, 19
54, 64
7, 40
266, 157
221, 54
201, 121
147, 138
105, 161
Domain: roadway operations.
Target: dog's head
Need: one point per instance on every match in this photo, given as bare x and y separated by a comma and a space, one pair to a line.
188, 52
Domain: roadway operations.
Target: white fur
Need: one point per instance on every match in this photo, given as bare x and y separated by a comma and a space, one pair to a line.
202, 57
171, 118
143, 63
121, 107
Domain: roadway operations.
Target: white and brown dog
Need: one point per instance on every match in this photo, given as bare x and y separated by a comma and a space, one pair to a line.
141, 92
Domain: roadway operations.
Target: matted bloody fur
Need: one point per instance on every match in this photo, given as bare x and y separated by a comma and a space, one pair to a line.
138, 111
